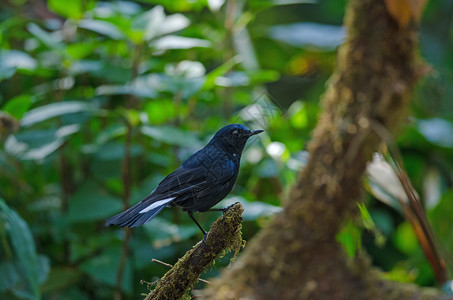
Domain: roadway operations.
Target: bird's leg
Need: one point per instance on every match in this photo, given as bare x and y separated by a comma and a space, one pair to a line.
205, 234
223, 210
227, 208
217, 209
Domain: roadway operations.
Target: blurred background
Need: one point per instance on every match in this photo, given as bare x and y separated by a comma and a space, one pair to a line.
100, 100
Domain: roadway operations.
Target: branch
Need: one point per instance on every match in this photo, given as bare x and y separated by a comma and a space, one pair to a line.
225, 234
297, 256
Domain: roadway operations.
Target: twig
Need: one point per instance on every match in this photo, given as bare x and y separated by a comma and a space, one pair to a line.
171, 266
162, 263
126, 178
65, 172
413, 209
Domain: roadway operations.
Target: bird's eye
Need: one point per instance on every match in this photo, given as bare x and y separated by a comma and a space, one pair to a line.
235, 132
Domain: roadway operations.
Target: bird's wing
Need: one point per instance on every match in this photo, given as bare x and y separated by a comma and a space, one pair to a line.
198, 175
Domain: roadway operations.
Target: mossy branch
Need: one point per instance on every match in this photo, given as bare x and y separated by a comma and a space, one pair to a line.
225, 234
297, 255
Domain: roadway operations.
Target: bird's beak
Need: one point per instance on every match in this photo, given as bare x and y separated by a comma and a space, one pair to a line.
253, 132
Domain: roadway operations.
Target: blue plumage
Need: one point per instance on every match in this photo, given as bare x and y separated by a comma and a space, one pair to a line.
202, 181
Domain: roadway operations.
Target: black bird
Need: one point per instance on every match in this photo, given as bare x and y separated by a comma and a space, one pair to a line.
202, 181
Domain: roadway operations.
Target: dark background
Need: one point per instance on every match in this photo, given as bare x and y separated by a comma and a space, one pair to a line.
78, 77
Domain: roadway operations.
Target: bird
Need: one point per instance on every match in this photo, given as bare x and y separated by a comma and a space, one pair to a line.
202, 181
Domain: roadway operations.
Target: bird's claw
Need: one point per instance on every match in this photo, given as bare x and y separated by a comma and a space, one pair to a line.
228, 207
203, 242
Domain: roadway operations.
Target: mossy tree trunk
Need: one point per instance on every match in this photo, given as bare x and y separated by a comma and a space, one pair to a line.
296, 256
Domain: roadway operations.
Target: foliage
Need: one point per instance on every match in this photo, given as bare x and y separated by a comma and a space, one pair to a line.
84, 85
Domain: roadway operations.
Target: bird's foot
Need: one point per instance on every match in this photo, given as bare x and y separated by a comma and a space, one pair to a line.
203, 242
227, 208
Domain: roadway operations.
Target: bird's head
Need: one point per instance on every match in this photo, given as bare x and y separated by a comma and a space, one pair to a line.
234, 136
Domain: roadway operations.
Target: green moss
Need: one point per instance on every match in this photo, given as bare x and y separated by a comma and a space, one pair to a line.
224, 235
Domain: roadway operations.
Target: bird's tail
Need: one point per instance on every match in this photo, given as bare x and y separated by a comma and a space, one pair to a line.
135, 216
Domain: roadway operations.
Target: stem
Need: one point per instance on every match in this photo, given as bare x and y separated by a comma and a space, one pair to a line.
170, 266
132, 100
230, 19
65, 182
177, 103
126, 171
126, 178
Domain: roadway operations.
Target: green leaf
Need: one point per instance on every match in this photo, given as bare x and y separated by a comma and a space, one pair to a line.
405, 239
136, 89
85, 66
113, 73
154, 23
104, 267
173, 23
175, 84
291, 2
92, 203
234, 78
6, 72
180, 5
67, 8
305, 34
160, 111
350, 238
111, 132
12, 278
178, 42
168, 232
257, 5
103, 27
220, 71
49, 144
114, 151
80, 50
23, 246
447, 288
384, 184
171, 136
61, 278
369, 224
252, 209
400, 273
52, 110
298, 114
438, 131
46, 38
18, 106
38, 144
9, 275
263, 76
143, 253
15, 59
383, 220
149, 22
43, 151
440, 218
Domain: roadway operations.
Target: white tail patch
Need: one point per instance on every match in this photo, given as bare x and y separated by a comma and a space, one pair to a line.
156, 204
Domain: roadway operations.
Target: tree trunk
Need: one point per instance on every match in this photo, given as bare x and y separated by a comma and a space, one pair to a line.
297, 256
